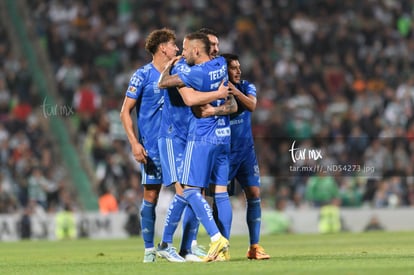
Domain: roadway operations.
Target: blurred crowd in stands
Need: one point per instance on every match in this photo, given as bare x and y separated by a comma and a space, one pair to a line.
335, 76
32, 177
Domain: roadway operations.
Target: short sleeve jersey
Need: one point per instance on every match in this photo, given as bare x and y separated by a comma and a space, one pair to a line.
143, 87
240, 122
207, 77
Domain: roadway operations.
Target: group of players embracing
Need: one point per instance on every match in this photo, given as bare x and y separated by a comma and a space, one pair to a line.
194, 131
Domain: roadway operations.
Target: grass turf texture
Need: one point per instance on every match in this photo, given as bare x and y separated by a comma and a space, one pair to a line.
346, 253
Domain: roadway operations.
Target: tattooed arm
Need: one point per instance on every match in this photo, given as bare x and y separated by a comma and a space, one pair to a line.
229, 107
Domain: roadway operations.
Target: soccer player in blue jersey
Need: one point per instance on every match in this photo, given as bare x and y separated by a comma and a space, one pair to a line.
243, 161
218, 191
172, 141
214, 41
144, 95
208, 140
190, 223
204, 75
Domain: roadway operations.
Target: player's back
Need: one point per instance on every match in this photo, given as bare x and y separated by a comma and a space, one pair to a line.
175, 114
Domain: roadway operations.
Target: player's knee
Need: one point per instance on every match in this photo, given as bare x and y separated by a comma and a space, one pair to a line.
220, 189
252, 192
151, 197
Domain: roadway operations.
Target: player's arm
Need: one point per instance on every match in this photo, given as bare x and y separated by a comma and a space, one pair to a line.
192, 97
138, 150
166, 79
229, 107
248, 101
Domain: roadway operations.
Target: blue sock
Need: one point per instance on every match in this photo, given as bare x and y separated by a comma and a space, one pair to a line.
173, 217
224, 213
201, 209
147, 223
253, 218
190, 230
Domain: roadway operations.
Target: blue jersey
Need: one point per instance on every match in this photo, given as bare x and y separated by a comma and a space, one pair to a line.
175, 114
240, 122
243, 161
207, 77
143, 87
173, 131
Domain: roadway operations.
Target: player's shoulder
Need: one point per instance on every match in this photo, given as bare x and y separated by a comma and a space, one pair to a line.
141, 75
217, 63
245, 84
144, 72
181, 66
144, 69
218, 60
181, 62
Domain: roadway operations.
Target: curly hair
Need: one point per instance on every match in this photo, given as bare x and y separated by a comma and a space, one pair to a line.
157, 37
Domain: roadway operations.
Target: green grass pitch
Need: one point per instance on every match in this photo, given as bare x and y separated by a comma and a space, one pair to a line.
345, 253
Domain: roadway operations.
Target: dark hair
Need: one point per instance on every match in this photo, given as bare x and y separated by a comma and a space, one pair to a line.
201, 37
157, 37
208, 31
230, 57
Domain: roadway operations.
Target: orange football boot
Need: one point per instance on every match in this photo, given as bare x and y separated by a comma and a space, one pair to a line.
257, 252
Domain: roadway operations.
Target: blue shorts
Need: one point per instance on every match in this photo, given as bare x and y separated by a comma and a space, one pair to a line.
244, 168
171, 155
205, 163
152, 172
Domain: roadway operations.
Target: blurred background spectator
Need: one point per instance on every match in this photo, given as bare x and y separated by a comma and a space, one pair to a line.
33, 180
107, 201
330, 220
65, 224
374, 224
277, 222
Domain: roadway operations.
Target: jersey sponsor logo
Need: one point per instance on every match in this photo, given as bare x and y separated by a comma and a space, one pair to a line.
223, 132
155, 88
236, 121
218, 74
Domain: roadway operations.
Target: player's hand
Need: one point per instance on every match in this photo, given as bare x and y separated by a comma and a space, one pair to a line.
175, 59
171, 62
139, 153
203, 110
232, 89
223, 90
